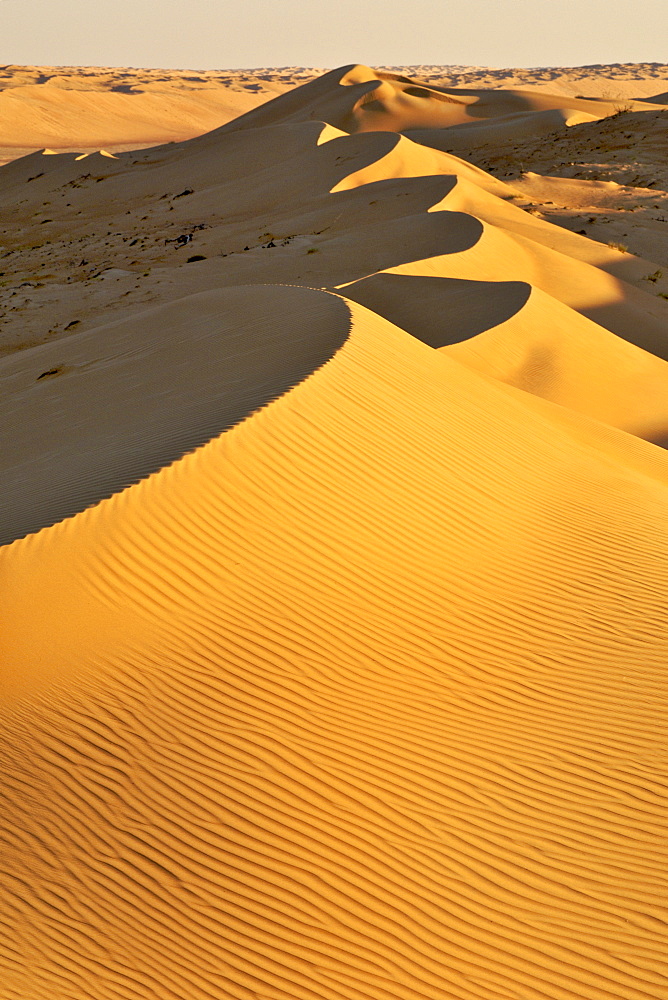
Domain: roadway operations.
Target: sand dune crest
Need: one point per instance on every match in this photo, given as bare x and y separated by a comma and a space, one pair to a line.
382, 763
199, 365
335, 631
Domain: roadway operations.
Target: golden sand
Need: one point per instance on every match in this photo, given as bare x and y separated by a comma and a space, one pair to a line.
335, 644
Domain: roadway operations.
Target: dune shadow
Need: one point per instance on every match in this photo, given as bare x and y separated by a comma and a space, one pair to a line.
123, 406
627, 321
430, 95
382, 201
659, 439
319, 166
347, 255
488, 107
440, 311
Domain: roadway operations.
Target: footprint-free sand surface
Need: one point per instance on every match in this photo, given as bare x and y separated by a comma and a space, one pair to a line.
334, 540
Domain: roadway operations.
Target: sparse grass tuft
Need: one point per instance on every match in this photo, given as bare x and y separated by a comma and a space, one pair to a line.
619, 246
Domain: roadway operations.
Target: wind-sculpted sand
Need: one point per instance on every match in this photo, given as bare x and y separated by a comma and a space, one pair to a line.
335, 565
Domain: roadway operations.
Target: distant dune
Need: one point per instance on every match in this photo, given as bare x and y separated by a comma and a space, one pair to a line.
66, 107
87, 107
334, 534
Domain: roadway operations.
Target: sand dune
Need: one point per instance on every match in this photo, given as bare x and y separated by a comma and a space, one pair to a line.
614, 81
499, 130
523, 337
624, 156
104, 423
70, 107
114, 118
75, 107
394, 204
378, 101
335, 646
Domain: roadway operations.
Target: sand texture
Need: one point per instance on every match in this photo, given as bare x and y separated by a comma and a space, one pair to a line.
334, 543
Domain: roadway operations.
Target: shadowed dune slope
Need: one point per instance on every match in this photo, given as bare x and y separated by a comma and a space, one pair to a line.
440, 311
657, 99
544, 349
501, 256
518, 334
358, 98
499, 130
112, 405
356, 701
124, 108
298, 203
335, 643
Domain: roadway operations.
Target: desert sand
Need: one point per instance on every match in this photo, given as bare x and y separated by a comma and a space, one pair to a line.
334, 542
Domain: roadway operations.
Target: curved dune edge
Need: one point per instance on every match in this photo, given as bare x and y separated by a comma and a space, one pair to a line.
500, 256
545, 349
523, 337
363, 698
293, 203
358, 98
114, 404
123, 108
355, 701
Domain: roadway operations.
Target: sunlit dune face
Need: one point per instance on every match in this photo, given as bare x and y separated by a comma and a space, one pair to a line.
334, 535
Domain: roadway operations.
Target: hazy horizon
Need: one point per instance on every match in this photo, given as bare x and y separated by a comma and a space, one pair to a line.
207, 34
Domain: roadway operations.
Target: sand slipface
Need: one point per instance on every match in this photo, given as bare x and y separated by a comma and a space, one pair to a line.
336, 562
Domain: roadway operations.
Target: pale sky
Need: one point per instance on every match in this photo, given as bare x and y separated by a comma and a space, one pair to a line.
220, 34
